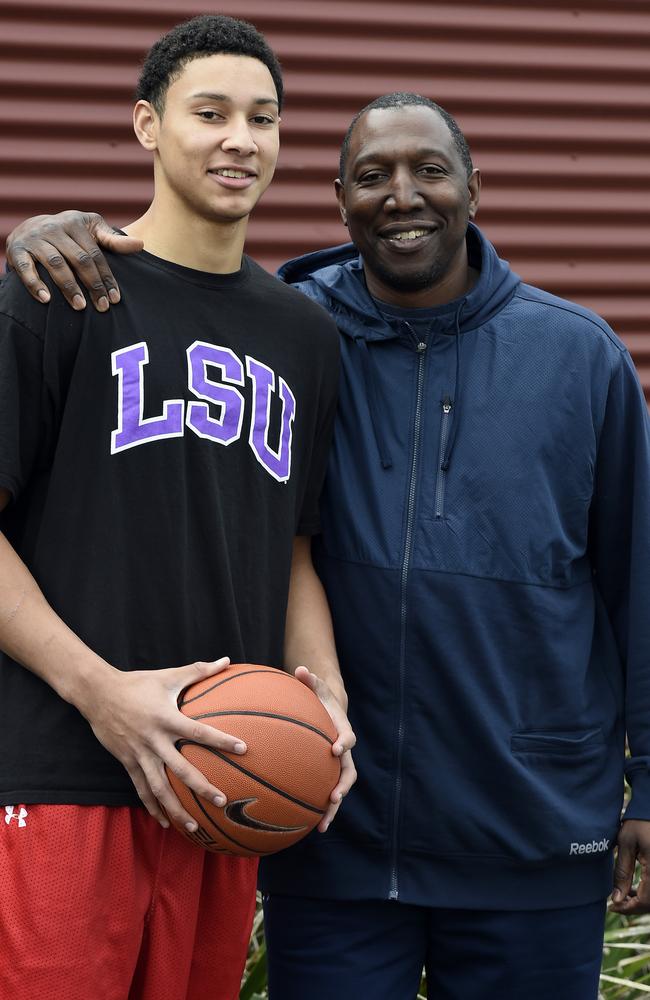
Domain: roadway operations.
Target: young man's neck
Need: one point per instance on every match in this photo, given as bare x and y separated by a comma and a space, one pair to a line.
190, 240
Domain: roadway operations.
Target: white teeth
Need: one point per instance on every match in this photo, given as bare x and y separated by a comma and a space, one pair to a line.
411, 234
232, 173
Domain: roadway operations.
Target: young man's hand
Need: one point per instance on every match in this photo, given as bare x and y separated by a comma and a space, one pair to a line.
633, 845
341, 748
66, 246
135, 715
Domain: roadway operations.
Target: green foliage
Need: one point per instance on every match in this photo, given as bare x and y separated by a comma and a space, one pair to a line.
626, 958
625, 973
254, 982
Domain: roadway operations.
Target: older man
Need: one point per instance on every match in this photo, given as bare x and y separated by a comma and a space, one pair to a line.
486, 554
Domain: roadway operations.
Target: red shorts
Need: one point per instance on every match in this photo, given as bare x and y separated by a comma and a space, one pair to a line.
101, 903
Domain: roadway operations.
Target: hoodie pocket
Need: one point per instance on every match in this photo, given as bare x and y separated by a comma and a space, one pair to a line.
525, 797
552, 744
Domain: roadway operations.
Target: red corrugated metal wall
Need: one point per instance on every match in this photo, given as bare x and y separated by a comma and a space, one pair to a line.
553, 99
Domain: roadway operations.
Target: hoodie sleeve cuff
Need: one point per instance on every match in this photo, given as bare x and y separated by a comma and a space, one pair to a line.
637, 774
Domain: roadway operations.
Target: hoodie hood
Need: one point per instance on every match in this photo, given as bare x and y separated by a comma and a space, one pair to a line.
334, 278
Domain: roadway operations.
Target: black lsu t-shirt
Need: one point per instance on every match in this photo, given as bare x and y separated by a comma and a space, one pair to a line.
161, 458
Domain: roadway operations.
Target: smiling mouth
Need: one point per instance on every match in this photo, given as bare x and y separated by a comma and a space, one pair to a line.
410, 234
408, 239
232, 178
232, 172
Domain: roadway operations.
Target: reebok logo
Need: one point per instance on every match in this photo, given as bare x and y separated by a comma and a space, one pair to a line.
10, 814
590, 847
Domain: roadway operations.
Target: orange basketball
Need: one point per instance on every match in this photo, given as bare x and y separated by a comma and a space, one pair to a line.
279, 789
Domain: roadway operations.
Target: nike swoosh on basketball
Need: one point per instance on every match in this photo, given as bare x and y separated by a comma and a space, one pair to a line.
235, 811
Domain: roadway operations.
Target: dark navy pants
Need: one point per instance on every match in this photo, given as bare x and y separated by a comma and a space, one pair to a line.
336, 950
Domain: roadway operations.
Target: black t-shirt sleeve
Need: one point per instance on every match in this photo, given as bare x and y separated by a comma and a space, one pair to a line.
309, 520
21, 402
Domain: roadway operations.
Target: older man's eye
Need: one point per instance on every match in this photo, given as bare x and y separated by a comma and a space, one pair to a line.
370, 177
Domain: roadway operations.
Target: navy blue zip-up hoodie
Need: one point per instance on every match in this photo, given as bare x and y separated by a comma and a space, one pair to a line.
486, 555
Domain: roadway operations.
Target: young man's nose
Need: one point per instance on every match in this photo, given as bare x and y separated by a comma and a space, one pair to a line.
239, 138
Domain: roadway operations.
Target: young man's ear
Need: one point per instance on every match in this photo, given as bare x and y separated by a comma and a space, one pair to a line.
145, 125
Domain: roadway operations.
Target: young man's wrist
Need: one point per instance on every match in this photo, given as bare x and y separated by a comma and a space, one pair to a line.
81, 683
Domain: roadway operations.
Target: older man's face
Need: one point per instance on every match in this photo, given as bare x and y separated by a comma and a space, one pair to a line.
407, 200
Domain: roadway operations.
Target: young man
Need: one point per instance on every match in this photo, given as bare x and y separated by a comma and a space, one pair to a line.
160, 467
486, 553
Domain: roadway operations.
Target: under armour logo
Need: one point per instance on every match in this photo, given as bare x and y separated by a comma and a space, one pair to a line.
11, 814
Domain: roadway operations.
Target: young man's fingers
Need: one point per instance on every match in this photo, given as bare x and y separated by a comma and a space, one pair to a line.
161, 790
199, 732
305, 675
328, 816
346, 739
193, 672
148, 800
193, 778
347, 779
341, 789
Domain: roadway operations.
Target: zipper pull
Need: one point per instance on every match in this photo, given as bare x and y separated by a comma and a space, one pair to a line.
421, 347
447, 407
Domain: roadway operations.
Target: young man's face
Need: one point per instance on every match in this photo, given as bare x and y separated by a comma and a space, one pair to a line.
407, 199
217, 141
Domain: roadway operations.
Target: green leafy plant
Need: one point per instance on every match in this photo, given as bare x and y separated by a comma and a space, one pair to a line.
626, 958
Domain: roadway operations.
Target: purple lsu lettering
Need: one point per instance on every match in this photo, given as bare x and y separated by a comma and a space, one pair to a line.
134, 429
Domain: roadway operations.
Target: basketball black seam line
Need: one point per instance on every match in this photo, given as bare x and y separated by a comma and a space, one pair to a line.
264, 715
223, 832
244, 673
250, 774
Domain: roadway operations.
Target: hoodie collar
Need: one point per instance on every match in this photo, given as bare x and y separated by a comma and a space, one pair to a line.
334, 277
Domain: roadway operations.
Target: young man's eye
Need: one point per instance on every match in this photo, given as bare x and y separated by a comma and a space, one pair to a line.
263, 119
209, 116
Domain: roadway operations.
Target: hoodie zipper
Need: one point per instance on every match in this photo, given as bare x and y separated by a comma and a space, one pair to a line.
408, 545
447, 407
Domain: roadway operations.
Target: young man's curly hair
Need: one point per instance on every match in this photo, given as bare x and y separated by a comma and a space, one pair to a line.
206, 35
